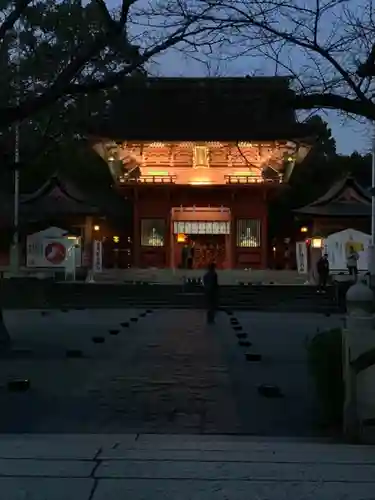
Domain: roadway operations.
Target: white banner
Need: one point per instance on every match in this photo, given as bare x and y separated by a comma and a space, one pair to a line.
50, 248
204, 227
337, 246
97, 256
301, 257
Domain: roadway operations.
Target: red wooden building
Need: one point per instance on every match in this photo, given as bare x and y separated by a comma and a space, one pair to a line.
199, 158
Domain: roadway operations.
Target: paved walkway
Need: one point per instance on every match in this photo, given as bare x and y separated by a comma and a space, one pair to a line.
166, 373
151, 467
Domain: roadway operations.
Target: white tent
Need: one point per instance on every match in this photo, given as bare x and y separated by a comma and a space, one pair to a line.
337, 246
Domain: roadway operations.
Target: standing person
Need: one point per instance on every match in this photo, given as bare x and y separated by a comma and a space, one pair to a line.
322, 268
211, 289
352, 262
184, 256
190, 256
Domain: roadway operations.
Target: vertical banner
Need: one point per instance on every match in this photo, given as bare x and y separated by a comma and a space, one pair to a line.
301, 257
97, 256
70, 260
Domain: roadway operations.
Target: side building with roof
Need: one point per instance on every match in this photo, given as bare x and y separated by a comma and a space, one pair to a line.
345, 205
60, 203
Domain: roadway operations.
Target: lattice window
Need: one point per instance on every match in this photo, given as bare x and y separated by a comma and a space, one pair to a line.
153, 232
248, 233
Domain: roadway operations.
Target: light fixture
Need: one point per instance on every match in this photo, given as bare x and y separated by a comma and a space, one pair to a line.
111, 158
96, 228
304, 229
181, 238
317, 242
116, 239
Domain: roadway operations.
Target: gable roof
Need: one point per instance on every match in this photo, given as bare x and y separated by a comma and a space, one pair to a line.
201, 109
57, 197
344, 199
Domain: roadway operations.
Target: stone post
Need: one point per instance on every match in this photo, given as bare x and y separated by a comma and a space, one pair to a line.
358, 337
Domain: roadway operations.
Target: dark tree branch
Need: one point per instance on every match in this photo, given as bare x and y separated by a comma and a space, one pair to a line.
337, 102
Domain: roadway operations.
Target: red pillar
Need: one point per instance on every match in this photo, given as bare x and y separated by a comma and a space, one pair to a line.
264, 233
233, 233
264, 241
168, 234
136, 231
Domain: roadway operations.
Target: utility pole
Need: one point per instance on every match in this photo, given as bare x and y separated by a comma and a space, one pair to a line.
15, 251
371, 249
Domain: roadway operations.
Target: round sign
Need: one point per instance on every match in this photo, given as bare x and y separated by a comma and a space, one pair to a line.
55, 253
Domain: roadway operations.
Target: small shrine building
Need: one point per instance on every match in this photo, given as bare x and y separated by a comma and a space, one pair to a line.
345, 205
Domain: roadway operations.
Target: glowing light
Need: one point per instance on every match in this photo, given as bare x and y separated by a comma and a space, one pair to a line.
200, 182
304, 229
181, 238
317, 242
96, 228
116, 239
158, 172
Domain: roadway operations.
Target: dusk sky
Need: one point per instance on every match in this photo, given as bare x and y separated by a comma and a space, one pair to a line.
350, 135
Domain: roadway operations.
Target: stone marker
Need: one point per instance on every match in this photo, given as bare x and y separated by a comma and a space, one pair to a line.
74, 353
134, 320
142, 315
244, 343
242, 335
149, 311
98, 340
234, 321
237, 328
114, 332
230, 313
250, 356
125, 324
270, 391
19, 385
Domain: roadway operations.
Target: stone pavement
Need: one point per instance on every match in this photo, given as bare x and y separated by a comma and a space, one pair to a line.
166, 373
178, 467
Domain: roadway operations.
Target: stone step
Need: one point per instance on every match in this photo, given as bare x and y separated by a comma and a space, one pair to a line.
159, 467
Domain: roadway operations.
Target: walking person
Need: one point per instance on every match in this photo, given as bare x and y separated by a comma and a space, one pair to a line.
211, 289
352, 262
322, 268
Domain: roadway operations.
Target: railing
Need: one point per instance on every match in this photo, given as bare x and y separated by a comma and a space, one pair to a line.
150, 179
248, 179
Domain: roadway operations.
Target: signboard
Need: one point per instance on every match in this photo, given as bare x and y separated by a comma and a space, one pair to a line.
203, 227
97, 253
50, 249
337, 246
301, 257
